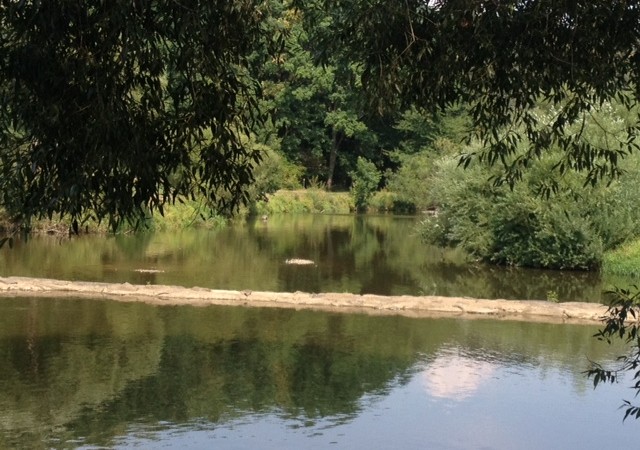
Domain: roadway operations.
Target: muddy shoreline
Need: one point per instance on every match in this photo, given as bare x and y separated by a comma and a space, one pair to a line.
410, 306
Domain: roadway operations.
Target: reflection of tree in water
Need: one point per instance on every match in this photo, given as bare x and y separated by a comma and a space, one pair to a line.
482, 281
358, 254
312, 370
69, 359
105, 367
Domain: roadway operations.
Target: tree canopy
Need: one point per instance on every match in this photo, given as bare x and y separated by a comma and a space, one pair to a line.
502, 58
112, 109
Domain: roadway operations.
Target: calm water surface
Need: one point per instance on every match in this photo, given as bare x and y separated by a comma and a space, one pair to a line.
358, 254
97, 374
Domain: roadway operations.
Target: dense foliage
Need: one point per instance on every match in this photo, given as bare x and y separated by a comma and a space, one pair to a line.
113, 109
319, 119
518, 226
501, 59
366, 178
133, 106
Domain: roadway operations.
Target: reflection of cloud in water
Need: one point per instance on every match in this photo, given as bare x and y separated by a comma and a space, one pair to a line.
454, 375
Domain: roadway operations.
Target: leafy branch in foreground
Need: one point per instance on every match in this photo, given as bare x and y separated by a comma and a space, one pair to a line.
111, 110
621, 322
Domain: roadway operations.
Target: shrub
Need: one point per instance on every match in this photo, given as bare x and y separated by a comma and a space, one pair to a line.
186, 214
304, 201
366, 178
411, 183
569, 230
274, 172
383, 200
624, 260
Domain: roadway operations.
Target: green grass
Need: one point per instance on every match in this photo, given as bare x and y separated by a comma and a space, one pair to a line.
625, 260
312, 200
190, 214
383, 200
193, 214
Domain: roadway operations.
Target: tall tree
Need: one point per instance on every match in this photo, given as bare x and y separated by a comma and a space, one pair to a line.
318, 111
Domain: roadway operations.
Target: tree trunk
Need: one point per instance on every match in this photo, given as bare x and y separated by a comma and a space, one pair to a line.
336, 139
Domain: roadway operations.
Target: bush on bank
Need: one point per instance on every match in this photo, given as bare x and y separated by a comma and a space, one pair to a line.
312, 200
410, 185
181, 215
624, 260
366, 178
571, 230
186, 214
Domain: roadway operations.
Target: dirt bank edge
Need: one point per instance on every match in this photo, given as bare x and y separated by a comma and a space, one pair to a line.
423, 306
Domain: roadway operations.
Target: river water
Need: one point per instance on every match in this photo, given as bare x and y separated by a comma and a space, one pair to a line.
96, 374
357, 254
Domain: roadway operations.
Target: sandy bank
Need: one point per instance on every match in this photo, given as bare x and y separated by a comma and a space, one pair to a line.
424, 306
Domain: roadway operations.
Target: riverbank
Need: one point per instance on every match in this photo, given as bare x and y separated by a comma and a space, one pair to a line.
410, 306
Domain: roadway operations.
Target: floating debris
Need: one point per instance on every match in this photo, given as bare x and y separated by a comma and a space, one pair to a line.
148, 270
299, 261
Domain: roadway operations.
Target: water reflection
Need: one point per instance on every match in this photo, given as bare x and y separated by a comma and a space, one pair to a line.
83, 373
456, 376
358, 254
